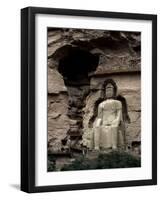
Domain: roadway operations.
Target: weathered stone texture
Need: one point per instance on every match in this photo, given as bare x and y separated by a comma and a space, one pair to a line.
119, 59
58, 122
55, 82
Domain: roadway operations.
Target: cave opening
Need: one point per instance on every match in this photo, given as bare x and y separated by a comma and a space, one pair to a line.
75, 65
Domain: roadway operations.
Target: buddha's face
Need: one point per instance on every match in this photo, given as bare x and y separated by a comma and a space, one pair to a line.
109, 91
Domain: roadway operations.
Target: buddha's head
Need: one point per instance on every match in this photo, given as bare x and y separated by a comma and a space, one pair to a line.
109, 89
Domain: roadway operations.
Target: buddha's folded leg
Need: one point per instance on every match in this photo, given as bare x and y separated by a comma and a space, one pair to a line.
106, 137
97, 133
114, 136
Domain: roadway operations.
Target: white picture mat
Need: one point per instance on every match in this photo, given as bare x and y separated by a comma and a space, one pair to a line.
44, 178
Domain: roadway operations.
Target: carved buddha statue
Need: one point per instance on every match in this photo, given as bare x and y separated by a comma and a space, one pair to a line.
109, 117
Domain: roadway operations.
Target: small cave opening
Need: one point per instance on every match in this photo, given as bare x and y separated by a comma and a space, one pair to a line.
75, 65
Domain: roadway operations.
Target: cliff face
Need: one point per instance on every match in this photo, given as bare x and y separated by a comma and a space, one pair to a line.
78, 63
116, 50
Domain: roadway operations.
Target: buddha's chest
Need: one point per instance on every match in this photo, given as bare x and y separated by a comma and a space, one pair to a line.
110, 106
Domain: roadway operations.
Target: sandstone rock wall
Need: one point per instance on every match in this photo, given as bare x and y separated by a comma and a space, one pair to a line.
118, 55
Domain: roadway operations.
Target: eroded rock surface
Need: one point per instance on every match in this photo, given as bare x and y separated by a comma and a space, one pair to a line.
110, 54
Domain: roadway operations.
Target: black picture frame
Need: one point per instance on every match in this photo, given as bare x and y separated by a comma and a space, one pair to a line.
28, 98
